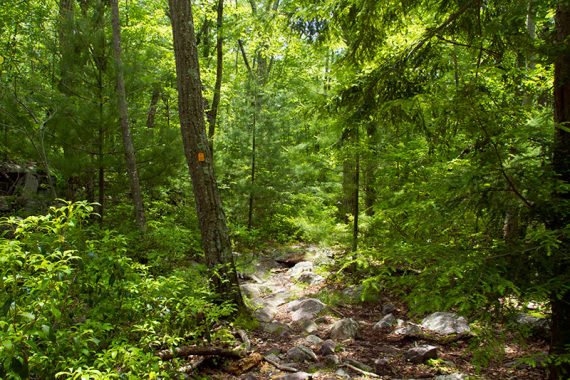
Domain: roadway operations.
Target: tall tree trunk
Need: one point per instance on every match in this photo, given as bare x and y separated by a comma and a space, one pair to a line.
124, 120
153, 105
560, 300
213, 227
213, 111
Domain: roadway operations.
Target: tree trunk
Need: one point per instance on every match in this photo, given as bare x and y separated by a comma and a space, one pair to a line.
213, 112
153, 106
560, 301
124, 120
215, 236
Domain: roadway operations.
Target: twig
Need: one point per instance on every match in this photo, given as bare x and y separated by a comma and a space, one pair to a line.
360, 371
191, 367
243, 336
198, 350
280, 366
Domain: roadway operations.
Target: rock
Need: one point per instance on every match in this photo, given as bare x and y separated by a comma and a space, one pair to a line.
446, 324
332, 359
305, 309
382, 366
308, 326
388, 308
265, 314
301, 354
386, 323
453, 376
344, 329
342, 374
278, 297
311, 278
360, 365
273, 357
328, 347
300, 268
537, 327
420, 354
294, 376
275, 328
251, 290
313, 340
407, 329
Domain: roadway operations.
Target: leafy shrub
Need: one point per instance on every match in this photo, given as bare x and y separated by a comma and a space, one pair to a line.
73, 303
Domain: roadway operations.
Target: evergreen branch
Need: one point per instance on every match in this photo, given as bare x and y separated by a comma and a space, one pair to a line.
433, 32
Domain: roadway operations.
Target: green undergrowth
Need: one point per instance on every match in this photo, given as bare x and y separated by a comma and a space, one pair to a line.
75, 303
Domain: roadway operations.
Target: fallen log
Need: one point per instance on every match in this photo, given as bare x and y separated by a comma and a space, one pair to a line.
184, 351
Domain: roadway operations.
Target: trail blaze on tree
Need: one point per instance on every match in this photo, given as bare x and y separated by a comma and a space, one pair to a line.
213, 228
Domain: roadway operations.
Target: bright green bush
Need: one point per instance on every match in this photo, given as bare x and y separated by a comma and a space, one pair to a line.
73, 302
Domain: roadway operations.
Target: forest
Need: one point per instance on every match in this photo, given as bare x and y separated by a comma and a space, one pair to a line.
285, 189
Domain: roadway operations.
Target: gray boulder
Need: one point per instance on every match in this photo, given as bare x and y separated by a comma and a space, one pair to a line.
537, 327
453, 376
265, 314
311, 278
313, 340
420, 354
301, 354
328, 347
446, 324
407, 329
386, 323
305, 309
345, 329
300, 268
275, 328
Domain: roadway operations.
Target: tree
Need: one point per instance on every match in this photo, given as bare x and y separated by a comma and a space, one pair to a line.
124, 121
215, 236
560, 297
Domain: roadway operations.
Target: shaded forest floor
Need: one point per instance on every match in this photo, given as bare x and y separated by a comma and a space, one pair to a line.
280, 278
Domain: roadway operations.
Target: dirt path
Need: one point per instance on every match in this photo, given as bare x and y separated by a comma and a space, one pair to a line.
310, 328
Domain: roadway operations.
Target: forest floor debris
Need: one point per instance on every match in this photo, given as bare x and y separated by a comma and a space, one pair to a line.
373, 352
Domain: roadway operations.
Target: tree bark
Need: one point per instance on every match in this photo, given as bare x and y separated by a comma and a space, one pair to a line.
213, 227
560, 300
130, 156
153, 106
213, 111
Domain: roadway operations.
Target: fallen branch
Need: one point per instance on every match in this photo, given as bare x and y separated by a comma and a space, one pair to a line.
191, 367
280, 366
246, 342
360, 371
185, 351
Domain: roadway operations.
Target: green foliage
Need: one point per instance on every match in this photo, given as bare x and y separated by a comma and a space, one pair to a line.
74, 303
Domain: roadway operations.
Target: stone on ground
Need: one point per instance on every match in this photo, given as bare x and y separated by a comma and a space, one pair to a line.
420, 354
294, 376
446, 324
305, 309
386, 323
300, 268
301, 354
407, 329
328, 347
344, 329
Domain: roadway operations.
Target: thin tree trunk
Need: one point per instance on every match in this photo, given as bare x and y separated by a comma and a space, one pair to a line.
124, 120
253, 161
213, 112
213, 227
560, 300
153, 106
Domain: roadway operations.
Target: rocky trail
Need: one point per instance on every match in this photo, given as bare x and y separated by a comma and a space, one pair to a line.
305, 332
